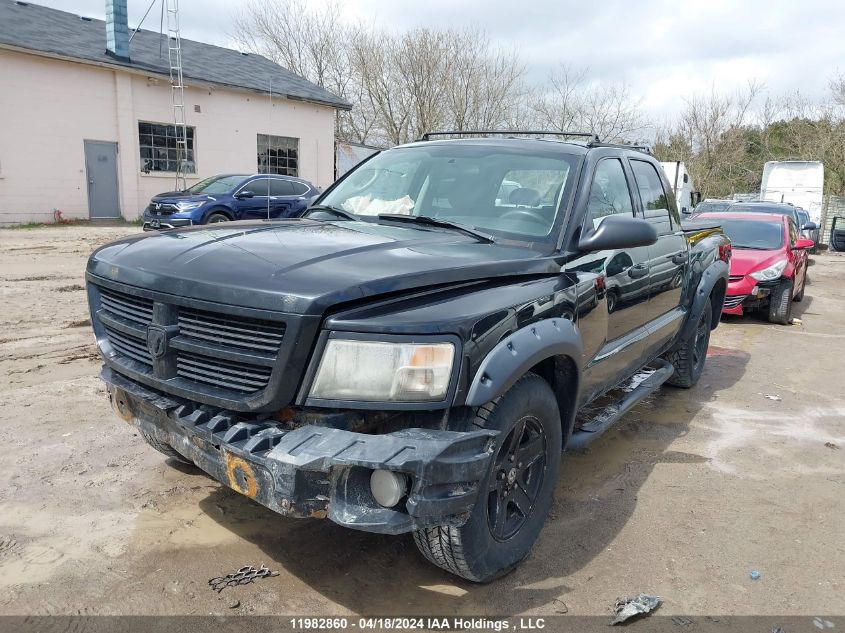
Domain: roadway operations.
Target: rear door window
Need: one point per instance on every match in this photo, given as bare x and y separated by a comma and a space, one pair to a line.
279, 187
653, 196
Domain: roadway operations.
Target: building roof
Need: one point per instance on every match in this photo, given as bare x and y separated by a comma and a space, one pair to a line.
58, 33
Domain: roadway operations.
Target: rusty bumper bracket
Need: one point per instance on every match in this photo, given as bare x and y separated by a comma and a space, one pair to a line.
316, 471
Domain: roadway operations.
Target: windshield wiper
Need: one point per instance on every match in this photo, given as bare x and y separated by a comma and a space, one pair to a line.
330, 209
438, 222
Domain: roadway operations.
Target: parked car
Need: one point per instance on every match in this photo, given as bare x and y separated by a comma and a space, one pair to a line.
709, 205
768, 265
409, 356
837, 234
767, 207
811, 231
229, 197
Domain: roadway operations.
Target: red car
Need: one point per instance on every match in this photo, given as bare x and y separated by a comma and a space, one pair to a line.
768, 265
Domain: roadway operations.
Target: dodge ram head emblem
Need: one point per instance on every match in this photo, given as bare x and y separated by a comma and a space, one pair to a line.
156, 341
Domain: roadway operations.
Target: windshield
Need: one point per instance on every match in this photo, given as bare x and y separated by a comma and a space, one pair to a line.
216, 184
495, 189
753, 234
708, 206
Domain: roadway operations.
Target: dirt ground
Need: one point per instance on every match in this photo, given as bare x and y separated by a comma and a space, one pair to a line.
689, 494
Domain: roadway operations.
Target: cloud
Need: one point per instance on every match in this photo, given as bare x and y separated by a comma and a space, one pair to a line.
664, 49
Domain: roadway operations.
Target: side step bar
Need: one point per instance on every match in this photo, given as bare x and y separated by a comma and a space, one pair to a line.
635, 390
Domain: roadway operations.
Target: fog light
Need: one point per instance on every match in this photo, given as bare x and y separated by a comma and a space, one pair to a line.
387, 487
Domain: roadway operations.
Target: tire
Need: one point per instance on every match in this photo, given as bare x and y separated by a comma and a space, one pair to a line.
498, 536
216, 217
800, 295
780, 303
164, 448
689, 355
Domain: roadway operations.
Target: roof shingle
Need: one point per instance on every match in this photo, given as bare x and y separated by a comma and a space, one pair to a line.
50, 31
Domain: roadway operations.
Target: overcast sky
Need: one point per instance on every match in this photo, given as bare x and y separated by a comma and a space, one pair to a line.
663, 49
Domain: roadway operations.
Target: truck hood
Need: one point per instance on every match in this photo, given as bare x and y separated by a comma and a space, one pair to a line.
306, 266
746, 260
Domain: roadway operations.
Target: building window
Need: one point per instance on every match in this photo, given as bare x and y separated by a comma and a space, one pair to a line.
278, 155
157, 142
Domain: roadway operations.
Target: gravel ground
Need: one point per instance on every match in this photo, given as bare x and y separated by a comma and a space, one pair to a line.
689, 494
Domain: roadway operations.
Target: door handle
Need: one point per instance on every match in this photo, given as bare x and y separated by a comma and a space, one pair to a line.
638, 271
678, 258
90, 181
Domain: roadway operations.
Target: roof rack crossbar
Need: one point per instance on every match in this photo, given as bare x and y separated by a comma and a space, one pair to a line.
428, 135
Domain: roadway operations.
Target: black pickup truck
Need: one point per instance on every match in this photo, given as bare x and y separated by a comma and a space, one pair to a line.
412, 354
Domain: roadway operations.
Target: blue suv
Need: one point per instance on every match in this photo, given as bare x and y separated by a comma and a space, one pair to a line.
230, 197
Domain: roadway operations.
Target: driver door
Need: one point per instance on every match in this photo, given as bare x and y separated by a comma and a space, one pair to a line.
624, 274
254, 208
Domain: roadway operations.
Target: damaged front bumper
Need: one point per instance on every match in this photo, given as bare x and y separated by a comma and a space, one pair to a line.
317, 471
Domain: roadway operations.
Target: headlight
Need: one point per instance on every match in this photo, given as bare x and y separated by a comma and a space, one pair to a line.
382, 371
771, 273
188, 206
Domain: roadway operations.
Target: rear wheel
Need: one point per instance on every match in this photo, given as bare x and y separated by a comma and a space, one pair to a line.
214, 218
516, 494
689, 355
780, 303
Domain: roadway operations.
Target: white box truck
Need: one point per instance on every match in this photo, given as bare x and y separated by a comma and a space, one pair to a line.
682, 186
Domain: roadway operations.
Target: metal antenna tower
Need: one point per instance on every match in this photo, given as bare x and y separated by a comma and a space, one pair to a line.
177, 91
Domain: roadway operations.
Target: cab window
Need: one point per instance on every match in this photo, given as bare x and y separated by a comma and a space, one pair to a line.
653, 196
609, 193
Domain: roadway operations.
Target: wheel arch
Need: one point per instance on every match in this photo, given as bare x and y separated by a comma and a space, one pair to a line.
712, 286
550, 348
218, 209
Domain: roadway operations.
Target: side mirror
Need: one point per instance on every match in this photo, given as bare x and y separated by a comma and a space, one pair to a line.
241, 195
809, 226
696, 197
803, 244
616, 232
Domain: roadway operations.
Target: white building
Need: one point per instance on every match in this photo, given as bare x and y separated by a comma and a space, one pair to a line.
89, 130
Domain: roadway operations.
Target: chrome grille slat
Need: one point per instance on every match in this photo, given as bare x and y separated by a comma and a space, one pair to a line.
133, 308
202, 367
244, 333
734, 301
129, 346
220, 373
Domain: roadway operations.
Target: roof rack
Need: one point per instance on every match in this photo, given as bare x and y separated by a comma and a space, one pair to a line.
645, 149
428, 135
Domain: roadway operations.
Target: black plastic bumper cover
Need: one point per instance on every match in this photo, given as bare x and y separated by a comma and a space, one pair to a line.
316, 471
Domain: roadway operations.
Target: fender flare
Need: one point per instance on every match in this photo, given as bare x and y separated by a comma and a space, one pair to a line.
520, 351
713, 273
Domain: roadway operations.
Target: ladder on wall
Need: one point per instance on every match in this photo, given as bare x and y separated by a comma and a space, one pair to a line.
177, 90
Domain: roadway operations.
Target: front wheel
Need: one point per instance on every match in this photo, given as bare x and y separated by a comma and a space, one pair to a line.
780, 303
516, 494
214, 218
689, 354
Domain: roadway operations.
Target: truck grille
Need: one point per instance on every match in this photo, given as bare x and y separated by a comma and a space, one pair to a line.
212, 349
734, 301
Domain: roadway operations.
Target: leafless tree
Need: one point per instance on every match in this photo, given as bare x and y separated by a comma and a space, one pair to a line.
571, 101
